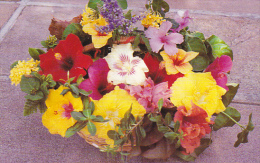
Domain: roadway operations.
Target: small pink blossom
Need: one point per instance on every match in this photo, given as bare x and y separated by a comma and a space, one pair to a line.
149, 94
160, 38
218, 68
183, 19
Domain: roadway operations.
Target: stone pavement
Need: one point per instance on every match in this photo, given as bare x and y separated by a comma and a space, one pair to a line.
24, 23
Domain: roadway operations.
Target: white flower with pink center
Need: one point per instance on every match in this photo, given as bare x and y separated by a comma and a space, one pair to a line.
124, 68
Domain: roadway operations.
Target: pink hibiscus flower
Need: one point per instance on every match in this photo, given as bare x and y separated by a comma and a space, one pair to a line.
160, 38
183, 19
97, 82
149, 94
219, 68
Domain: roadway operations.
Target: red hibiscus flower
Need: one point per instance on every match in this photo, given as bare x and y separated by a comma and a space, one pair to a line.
158, 74
194, 126
66, 56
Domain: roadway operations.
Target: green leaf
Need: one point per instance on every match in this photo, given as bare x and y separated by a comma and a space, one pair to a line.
160, 104
64, 91
44, 44
85, 102
78, 116
91, 128
219, 47
168, 119
171, 135
112, 134
30, 107
34, 53
87, 113
74, 29
136, 41
142, 131
93, 4
230, 94
75, 128
29, 85
176, 126
74, 89
122, 4
91, 106
85, 93
198, 34
128, 15
192, 43
250, 125
13, 65
98, 118
119, 141
171, 124
163, 129
146, 42
80, 79
223, 121
157, 118
166, 6
38, 96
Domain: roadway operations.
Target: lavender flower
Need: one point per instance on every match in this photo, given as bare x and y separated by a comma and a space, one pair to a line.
115, 17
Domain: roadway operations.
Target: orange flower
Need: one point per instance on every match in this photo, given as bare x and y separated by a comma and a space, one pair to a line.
178, 62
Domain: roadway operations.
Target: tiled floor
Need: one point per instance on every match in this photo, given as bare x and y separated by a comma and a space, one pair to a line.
25, 23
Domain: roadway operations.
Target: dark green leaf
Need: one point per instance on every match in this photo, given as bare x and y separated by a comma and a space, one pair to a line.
93, 117
241, 138
168, 119
91, 128
64, 91
85, 93
29, 85
93, 4
157, 118
230, 94
44, 44
112, 134
219, 47
74, 89
87, 113
166, 6
172, 124
78, 116
34, 53
72, 28
224, 121
120, 131
42, 106
185, 157
119, 141
122, 4
204, 143
91, 106
38, 96
40, 51
178, 144
70, 80
142, 131
171, 135
75, 128
13, 65
160, 104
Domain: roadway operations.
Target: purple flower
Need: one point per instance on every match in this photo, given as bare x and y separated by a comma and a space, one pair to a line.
218, 69
183, 19
160, 38
149, 94
97, 82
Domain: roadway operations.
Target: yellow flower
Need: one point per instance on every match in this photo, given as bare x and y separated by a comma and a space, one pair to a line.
201, 89
113, 106
152, 20
178, 62
98, 39
23, 68
88, 16
57, 117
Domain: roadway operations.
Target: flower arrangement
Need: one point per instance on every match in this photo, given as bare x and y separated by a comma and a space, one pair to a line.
153, 92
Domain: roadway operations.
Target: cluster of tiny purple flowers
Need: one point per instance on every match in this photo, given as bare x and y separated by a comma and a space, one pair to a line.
115, 16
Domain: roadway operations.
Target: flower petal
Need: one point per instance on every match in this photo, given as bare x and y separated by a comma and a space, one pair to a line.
151, 32
156, 44
164, 28
184, 68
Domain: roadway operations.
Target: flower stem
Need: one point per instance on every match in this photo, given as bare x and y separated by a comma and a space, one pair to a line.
233, 120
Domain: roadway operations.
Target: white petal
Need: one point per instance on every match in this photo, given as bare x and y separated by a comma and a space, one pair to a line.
115, 78
137, 78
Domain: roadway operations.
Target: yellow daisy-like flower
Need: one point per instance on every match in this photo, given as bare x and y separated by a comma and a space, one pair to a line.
57, 117
98, 39
23, 68
201, 89
178, 62
113, 106
152, 20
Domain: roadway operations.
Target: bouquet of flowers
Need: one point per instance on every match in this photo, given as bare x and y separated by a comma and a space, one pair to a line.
154, 92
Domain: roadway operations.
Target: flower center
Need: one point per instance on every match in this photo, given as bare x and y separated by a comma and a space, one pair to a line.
113, 118
164, 39
67, 110
67, 63
58, 56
